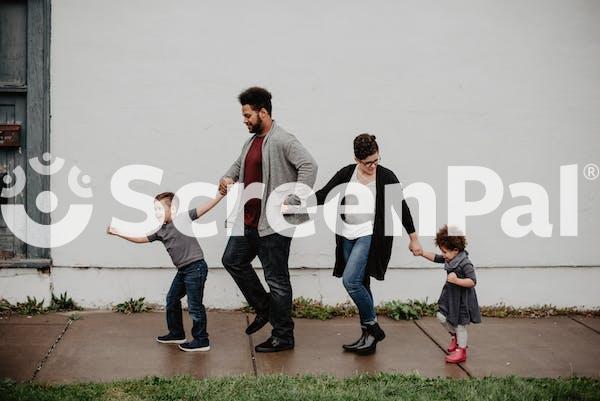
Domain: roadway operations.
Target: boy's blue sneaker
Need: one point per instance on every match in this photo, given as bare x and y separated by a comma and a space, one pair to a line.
195, 346
170, 339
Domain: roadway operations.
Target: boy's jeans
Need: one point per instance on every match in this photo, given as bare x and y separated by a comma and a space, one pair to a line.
189, 281
273, 251
356, 255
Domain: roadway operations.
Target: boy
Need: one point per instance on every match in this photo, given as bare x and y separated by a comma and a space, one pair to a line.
188, 257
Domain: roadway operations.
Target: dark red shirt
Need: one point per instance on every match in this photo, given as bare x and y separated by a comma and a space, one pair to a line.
253, 173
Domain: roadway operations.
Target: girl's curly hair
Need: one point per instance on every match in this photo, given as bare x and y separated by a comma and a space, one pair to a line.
450, 242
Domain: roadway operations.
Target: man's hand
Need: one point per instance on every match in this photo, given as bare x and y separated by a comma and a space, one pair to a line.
452, 277
111, 231
223, 183
291, 204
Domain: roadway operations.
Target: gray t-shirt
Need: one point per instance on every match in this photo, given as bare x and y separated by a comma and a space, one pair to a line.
182, 248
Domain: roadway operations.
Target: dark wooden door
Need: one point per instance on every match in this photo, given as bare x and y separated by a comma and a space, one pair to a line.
13, 79
24, 102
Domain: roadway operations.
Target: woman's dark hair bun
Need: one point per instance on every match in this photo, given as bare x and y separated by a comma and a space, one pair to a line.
364, 146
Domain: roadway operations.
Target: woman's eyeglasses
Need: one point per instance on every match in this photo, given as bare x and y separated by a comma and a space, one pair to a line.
371, 163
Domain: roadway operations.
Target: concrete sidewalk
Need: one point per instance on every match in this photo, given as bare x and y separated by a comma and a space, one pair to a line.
105, 346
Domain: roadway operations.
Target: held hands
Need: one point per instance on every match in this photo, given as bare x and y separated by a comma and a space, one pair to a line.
219, 195
223, 184
415, 247
290, 204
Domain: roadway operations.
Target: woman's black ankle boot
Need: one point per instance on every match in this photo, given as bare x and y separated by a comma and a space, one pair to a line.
374, 335
376, 331
357, 343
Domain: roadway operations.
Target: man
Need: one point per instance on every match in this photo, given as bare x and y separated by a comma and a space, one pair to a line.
273, 157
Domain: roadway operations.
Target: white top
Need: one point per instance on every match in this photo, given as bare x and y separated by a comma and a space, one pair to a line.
359, 225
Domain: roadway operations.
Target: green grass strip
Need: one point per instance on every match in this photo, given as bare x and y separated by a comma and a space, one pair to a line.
379, 387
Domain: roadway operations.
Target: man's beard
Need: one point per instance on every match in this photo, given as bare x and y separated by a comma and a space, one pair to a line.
257, 128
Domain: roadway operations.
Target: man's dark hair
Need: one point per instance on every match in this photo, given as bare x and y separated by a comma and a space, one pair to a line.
450, 242
165, 195
257, 98
364, 146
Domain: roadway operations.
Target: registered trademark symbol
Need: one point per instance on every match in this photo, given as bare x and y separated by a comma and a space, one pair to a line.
591, 171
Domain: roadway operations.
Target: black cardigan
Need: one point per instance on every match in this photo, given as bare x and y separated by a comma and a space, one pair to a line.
381, 245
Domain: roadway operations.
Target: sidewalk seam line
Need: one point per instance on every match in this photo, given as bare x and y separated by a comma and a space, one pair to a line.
442, 348
252, 355
45, 358
584, 325
32, 324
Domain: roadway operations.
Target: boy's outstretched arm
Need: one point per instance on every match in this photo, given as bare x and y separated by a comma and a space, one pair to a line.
138, 240
206, 207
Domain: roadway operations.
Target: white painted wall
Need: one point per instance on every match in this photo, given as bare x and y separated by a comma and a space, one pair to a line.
104, 287
513, 86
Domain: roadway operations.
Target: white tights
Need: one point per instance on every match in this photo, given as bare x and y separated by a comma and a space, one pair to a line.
460, 331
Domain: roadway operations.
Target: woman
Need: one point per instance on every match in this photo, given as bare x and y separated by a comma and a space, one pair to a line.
362, 248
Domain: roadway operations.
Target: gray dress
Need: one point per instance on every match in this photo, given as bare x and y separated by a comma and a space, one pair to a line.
459, 304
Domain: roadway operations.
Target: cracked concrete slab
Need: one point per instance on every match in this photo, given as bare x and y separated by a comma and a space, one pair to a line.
109, 346
24, 342
318, 350
547, 347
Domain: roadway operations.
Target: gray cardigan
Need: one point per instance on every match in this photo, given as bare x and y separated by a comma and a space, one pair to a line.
284, 160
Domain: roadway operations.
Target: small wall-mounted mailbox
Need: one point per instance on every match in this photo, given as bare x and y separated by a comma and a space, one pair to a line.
10, 136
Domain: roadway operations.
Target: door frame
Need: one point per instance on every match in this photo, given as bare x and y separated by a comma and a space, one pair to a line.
37, 140
38, 109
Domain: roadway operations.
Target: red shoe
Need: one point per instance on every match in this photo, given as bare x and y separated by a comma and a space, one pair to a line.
458, 356
453, 344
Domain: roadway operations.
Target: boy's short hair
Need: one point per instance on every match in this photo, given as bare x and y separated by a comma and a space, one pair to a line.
442, 239
169, 196
257, 98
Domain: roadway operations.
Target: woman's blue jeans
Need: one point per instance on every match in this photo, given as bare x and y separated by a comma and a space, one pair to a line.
356, 254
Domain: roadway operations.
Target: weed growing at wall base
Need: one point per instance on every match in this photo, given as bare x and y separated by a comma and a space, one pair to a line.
32, 306
306, 308
133, 306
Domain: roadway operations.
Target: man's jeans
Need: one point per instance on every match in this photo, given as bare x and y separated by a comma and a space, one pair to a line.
273, 251
356, 255
189, 281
